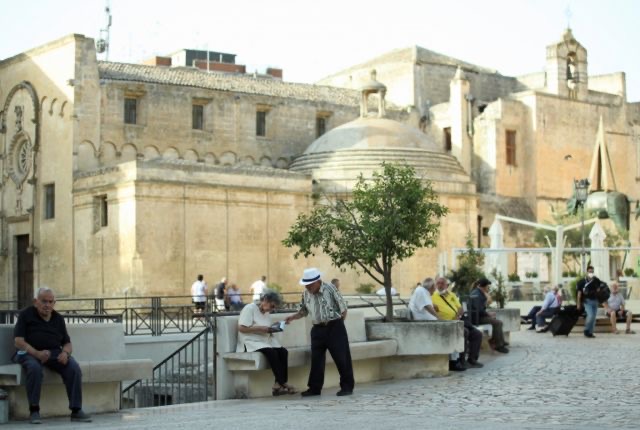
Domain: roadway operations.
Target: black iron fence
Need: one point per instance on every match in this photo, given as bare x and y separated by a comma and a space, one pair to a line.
186, 376
152, 315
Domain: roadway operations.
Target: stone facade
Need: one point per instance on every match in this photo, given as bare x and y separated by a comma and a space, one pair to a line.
159, 173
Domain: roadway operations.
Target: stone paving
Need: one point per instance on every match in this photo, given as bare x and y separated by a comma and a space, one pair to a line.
545, 382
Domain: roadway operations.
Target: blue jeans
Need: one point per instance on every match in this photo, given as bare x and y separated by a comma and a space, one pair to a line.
591, 307
547, 313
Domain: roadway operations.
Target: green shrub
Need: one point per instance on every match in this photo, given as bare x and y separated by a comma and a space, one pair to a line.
630, 272
513, 277
274, 287
365, 288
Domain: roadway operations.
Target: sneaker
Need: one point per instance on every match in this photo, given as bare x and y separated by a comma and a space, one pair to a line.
474, 364
629, 331
344, 393
589, 335
532, 327
310, 393
34, 418
541, 329
503, 350
80, 416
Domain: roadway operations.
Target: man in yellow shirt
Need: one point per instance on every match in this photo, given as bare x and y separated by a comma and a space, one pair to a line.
449, 308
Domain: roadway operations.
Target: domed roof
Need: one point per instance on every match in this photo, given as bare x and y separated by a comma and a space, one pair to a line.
371, 133
337, 158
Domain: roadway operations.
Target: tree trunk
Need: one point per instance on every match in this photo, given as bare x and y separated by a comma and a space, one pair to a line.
387, 290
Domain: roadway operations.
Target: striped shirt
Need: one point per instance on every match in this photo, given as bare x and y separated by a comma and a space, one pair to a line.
326, 305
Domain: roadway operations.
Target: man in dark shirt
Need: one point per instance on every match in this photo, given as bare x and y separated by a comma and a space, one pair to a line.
480, 299
585, 298
41, 339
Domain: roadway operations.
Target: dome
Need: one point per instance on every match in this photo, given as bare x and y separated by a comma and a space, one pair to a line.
337, 158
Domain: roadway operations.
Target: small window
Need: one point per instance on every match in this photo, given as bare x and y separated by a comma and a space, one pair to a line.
511, 148
447, 139
261, 123
485, 231
130, 110
100, 212
104, 211
197, 117
49, 201
321, 126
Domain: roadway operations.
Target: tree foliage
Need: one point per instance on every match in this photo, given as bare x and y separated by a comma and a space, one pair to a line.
469, 269
386, 219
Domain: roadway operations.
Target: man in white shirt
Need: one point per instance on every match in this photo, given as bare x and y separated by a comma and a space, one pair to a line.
199, 294
257, 288
421, 305
614, 307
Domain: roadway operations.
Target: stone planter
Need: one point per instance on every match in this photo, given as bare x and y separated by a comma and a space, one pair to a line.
423, 346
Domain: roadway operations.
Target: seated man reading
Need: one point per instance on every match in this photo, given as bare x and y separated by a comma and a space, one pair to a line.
41, 339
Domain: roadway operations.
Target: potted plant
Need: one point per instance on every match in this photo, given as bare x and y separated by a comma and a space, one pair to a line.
499, 290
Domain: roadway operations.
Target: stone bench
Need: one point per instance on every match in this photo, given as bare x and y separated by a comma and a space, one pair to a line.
248, 374
100, 351
510, 322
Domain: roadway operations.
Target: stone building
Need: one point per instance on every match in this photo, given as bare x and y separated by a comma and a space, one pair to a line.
131, 179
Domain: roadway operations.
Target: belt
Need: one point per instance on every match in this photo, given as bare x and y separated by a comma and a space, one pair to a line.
326, 323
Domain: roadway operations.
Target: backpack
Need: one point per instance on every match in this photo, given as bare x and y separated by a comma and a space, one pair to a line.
602, 292
597, 290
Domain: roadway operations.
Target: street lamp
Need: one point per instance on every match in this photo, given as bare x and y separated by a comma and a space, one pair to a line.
582, 192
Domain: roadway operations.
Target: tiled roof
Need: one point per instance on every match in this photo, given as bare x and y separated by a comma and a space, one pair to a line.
191, 77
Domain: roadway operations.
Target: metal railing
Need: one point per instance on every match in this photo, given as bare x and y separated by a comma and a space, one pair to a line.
155, 316
183, 377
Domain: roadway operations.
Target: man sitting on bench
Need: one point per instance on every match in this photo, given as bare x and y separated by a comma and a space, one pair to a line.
614, 307
41, 339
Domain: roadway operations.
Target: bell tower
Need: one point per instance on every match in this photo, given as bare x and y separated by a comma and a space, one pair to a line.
566, 68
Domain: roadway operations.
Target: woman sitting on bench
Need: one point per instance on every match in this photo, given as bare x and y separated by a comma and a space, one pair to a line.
255, 333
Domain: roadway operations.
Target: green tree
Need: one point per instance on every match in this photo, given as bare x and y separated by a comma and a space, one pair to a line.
469, 269
387, 218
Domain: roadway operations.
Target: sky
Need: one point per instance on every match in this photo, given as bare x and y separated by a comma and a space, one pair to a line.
313, 39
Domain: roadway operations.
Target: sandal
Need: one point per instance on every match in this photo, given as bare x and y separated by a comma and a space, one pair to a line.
279, 391
630, 332
290, 389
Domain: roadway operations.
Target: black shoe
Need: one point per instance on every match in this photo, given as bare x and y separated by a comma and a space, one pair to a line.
590, 335
310, 393
344, 393
503, 350
80, 416
532, 328
474, 364
456, 367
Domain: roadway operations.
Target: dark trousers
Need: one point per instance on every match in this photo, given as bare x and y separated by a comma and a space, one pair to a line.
531, 316
472, 342
278, 359
71, 376
496, 328
332, 337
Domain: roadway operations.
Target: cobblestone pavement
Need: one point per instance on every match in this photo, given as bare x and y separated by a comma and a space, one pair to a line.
545, 382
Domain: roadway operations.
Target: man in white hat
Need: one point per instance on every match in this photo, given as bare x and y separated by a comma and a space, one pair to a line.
327, 309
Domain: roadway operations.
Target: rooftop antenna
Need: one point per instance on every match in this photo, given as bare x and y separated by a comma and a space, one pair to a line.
568, 15
102, 44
